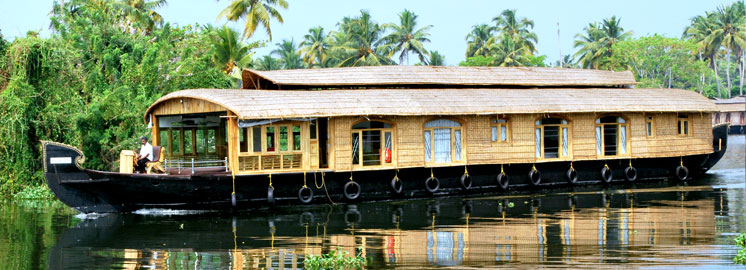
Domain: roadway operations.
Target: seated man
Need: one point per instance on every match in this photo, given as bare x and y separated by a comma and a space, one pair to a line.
146, 155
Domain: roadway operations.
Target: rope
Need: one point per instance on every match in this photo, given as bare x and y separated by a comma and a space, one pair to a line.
533, 167
270, 181
323, 183
316, 183
681, 161
234, 183
396, 175
466, 172
431, 173
606, 166
351, 180
571, 168
630, 163
304, 180
501, 169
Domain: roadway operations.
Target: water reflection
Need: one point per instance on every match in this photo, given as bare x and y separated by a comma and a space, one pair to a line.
655, 224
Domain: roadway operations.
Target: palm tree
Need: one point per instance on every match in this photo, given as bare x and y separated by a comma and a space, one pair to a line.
518, 30
479, 39
229, 52
701, 31
315, 47
257, 12
267, 63
730, 31
405, 39
288, 55
567, 61
597, 46
142, 11
436, 59
510, 53
363, 45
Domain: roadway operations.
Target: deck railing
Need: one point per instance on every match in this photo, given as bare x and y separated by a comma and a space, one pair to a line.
191, 164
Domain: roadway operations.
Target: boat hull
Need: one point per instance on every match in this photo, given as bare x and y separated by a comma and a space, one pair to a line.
95, 191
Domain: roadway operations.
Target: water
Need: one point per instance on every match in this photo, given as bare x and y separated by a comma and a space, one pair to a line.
646, 225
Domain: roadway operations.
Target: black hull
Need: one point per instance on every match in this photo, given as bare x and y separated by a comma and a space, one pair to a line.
95, 191
737, 129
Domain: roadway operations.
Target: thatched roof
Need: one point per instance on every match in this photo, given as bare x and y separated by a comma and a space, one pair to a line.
734, 104
433, 77
273, 104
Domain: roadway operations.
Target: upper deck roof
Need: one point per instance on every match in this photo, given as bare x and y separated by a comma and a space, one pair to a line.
735, 104
433, 77
275, 104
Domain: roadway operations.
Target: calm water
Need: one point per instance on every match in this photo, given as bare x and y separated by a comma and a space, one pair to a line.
646, 225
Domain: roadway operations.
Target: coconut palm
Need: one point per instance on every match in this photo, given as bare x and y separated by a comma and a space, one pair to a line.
479, 40
510, 52
229, 52
730, 31
436, 59
597, 46
315, 47
701, 31
288, 55
405, 39
142, 11
519, 31
257, 12
363, 44
267, 63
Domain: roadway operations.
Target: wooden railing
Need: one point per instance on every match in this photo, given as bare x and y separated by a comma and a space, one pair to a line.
270, 162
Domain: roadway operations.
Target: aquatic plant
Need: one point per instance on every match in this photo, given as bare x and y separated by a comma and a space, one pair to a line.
38, 192
335, 259
741, 243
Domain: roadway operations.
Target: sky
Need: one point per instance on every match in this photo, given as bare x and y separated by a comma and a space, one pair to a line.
451, 20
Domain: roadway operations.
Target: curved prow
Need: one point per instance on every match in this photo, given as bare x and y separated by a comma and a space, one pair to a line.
719, 145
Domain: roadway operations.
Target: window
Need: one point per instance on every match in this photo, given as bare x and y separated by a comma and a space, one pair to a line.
717, 118
727, 117
443, 141
270, 138
649, 127
271, 147
552, 138
611, 136
741, 118
500, 130
683, 125
372, 143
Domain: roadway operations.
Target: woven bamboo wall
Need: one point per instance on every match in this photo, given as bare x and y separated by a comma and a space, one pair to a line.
520, 148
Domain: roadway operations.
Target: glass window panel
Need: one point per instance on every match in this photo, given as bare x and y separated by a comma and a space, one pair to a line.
686, 127
296, 138
283, 138
355, 148
388, 148
427, 146
497, 121
494, 134
503, 133
679, 130
599, 145
538, 142
550, 121
371, 147
610, 140
256, 134
176, 140
551, 142
188, 141
565, 142
201, 141
164, 141
244, 139
649, 129
442, 139
442, 123
457, 144
313, 128
623, 139
270, 131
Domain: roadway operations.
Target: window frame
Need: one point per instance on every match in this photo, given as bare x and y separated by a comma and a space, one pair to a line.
567, 125
461, 128
684, 127
496, 131
626, 125
382, 155
649, 120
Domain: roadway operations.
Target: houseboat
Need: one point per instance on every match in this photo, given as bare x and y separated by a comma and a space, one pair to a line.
398, 132
733, 112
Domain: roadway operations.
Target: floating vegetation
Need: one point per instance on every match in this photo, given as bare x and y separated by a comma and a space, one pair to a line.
335, 259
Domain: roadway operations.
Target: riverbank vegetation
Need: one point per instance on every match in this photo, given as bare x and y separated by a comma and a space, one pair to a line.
89, 82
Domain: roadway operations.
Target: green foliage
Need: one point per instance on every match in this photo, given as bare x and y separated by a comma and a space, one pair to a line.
335, 259
741, 243
660, 62
39, 192
478, 61
89, 84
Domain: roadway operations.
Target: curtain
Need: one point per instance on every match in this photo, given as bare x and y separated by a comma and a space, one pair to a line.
598, 141
623, 146
565, 150
457, 143
538, 143
427, 146
442, 138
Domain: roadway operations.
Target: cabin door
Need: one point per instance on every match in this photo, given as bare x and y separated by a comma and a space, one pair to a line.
323, 124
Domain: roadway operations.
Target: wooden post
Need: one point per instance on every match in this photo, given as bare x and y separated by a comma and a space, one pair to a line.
156, 140
232, 142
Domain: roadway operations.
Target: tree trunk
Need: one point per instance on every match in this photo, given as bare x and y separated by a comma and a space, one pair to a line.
717, 78
740, 80
727, 72
669, 77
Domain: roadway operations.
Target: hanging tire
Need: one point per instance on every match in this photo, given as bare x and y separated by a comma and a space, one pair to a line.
271, 195
397, 185
534, 176
466, 182
432, 184
630, 174
305, 195
572, 176
606, 175
352, 190
682, 173
503, 180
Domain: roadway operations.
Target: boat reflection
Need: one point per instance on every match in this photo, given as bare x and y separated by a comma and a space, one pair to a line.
576, 228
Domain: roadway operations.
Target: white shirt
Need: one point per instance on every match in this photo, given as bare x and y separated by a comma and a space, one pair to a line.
147, 149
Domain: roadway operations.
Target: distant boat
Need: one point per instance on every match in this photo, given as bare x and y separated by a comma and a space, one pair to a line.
731, 111
398, 132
